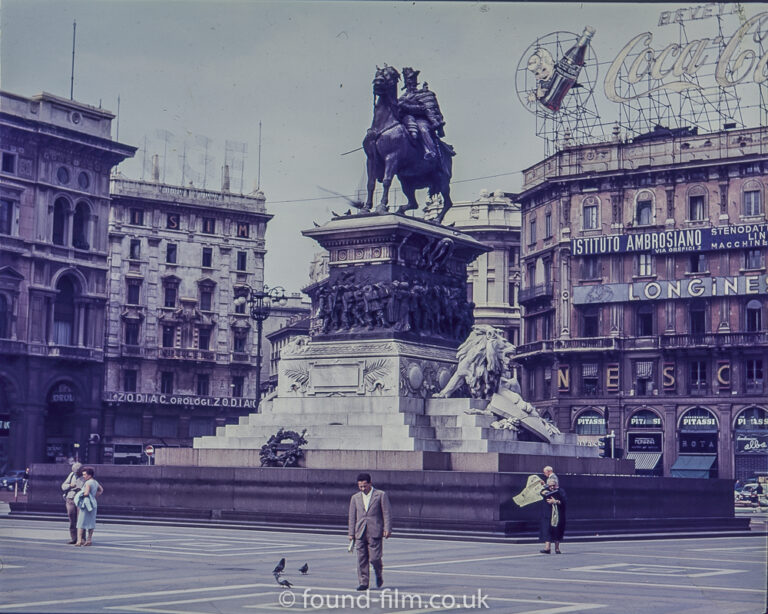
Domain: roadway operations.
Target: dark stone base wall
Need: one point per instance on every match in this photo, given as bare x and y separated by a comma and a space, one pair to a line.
446, 500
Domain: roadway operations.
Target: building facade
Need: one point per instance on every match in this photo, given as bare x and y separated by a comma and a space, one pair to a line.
294, 327
645, 298
180, 355
493, 279
57, 156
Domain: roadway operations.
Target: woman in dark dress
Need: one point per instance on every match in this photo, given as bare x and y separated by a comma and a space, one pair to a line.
553, 516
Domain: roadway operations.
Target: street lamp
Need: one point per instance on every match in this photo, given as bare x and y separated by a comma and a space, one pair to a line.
260, 303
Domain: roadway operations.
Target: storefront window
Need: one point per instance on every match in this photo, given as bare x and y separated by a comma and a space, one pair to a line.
750, 443
590, 422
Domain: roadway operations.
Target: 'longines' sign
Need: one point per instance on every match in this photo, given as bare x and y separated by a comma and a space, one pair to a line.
186, 400
695, 287
738, 236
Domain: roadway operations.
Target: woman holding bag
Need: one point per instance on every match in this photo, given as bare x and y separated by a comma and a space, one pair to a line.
86, 503
553, 518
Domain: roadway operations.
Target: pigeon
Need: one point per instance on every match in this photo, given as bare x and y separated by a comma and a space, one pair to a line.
279, 568
334, 213
304, 569
316, 224
284, 583
348, 212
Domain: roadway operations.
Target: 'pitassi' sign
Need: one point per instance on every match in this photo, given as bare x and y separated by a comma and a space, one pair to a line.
677, 67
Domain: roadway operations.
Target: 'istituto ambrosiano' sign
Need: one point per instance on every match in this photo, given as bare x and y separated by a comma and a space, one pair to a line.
737, 236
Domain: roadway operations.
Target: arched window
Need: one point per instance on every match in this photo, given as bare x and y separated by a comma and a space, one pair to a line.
645, 320
5, 316
64, 312
590, 322
697, 317
80, 224
645, 419
60, 213
644, 208
752, 198
591, 213
697, 203
754, 316
590, 422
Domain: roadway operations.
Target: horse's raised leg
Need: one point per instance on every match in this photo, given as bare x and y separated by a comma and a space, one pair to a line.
389, 174
447, 202
410, 194
371, 183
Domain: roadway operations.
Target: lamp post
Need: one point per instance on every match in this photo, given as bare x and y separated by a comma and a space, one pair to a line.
260, 303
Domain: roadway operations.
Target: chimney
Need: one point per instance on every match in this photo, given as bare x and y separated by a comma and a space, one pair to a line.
225, 179
156, 168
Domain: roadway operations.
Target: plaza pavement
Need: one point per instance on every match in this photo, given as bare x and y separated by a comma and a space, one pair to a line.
152, 568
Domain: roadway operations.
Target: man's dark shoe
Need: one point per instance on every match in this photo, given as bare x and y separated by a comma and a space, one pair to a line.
379, 581
362, 587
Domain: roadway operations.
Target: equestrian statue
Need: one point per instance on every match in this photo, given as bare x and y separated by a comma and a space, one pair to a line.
404, 140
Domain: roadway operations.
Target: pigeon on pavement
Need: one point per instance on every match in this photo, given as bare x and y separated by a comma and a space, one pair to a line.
285, 583
279, 568
304, 569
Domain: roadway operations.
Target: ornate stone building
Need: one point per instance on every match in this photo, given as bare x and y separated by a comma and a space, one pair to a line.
57, 156
493, 279
645, 297
180, 356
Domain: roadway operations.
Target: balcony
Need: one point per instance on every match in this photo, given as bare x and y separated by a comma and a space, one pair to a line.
192, 354
541, 291
533, 347
132, 350
8, 347
754, 386
76, 352
585, 343
719, 340
581, 344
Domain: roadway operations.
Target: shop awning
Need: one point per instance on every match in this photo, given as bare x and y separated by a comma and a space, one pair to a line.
692, 466
644, 460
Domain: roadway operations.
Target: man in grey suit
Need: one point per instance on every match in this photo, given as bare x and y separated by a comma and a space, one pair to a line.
369, 522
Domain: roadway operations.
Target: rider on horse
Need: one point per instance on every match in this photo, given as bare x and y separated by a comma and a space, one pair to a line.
420, 113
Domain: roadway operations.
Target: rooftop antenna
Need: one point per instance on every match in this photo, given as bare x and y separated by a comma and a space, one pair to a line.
258, 176
72, 74
184, 163
144, 162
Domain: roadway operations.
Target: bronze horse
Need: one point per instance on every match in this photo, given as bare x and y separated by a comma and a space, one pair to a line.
392, 152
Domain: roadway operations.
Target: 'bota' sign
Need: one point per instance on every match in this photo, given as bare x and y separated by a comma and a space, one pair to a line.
737, 63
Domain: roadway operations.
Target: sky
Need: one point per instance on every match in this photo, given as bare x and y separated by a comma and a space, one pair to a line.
198, 82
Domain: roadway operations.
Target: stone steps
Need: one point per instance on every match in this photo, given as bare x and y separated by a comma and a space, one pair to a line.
335, 418
381, 423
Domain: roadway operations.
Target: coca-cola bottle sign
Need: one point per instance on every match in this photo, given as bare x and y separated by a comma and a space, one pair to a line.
552, 66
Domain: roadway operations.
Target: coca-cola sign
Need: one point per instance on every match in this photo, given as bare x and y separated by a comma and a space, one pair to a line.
646, 67
554, 65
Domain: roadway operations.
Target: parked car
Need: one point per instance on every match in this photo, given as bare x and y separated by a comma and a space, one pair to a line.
13, 477
743, 494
